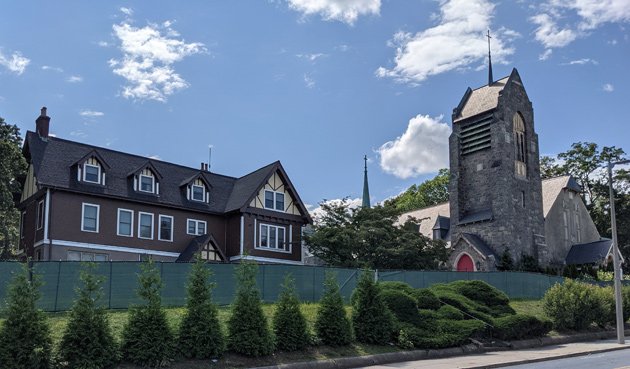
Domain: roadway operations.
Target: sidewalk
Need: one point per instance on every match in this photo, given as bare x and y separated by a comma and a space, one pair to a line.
496, 359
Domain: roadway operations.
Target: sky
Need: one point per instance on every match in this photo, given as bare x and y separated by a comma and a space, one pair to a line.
316, 84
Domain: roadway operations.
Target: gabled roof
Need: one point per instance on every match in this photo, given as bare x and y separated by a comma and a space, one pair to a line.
589, 253
195, 245
480, 245
552, 187
480, 100
53, 157
427, 217
95, 154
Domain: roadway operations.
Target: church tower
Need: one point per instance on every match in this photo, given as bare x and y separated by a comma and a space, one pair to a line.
495, 186
366, 189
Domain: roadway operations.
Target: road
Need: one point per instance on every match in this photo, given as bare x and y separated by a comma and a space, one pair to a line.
606, 360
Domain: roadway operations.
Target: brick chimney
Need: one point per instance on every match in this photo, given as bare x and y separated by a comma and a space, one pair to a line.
42, 124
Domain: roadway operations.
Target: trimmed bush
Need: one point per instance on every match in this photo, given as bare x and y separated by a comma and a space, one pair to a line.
147, 339
401, 305
572, 305
332, 325
426, 299
371, 319
520, 326
449, 312
249, 333
481, 292
25, 336
465, 328
88, 342
396, 286
470, 308
289, 323
200, 335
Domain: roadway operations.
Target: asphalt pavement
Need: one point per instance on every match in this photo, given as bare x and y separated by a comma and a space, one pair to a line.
605, 360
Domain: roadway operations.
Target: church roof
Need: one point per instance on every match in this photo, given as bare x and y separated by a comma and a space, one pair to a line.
479, 244
552, 187
427, 217
589, 253
480, 100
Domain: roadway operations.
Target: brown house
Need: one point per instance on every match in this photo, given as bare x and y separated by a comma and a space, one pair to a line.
81, 202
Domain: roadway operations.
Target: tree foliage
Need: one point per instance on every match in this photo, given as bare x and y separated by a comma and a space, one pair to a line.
332, 325
248, 330
586, 162
25, 341
12, 167
200, 334
87, 342
430, 192
372, 238
147, 339
289, 323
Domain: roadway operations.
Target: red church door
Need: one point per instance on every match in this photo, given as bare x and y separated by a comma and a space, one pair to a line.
465, 264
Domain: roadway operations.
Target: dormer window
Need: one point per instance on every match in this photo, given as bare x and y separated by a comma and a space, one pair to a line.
274, 200
91, 172
146, 182
198, 191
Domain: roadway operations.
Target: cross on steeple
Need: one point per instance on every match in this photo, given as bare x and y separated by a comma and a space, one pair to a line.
490, 79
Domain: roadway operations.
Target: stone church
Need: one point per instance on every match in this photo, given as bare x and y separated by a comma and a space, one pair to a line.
498, 201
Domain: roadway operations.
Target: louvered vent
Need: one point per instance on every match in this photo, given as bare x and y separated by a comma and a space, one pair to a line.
475, 136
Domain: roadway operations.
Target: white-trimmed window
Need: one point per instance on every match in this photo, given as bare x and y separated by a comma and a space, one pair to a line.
274, 200
89, 217
197, 193
147, 183
272, 237
86, 256
166, 228
92, 172
196, 227
40, 214
125, 223
145, 225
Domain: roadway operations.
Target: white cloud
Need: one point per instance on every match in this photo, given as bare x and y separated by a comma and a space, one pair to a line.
54, 69
15, 63
75, 79
423, 148
455, 43
582, 61
317, 212
347, 11
589, 15
127, 11
103, 44
608, 87
545, 55
148, 56
91, 113
309, 81
311, 57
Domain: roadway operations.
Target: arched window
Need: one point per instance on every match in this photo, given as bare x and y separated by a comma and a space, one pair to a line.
520, 147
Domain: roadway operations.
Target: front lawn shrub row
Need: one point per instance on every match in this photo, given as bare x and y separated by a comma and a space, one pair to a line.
444, 315
576, 305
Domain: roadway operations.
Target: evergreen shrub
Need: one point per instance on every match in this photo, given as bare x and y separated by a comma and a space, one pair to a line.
484, 294
470, 308
402, 305
606, 299
25, 341
426, 299
371, 319
289, 324
200, 335
396, 286
520, 326
332, 325
465, 328
88, 342
248, 329
147, 339
572, 305
449, 312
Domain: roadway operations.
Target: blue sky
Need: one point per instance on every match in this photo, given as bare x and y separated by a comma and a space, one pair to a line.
314, 83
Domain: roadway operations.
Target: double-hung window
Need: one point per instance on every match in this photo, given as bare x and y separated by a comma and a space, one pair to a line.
196, 227
40, 214
147, 183
125, 223
145, 225
89, 218
198, 193
272, 237
274, 200
91, 173
166, 228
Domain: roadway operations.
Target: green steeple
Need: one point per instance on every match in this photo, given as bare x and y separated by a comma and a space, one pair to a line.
366, 189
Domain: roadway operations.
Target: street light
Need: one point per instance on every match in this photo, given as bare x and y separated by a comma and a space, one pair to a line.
616, 261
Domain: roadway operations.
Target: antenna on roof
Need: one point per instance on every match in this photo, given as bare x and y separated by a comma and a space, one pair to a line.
490, 79
209, 157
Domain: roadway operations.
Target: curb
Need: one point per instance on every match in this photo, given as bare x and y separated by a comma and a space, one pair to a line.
402, 356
